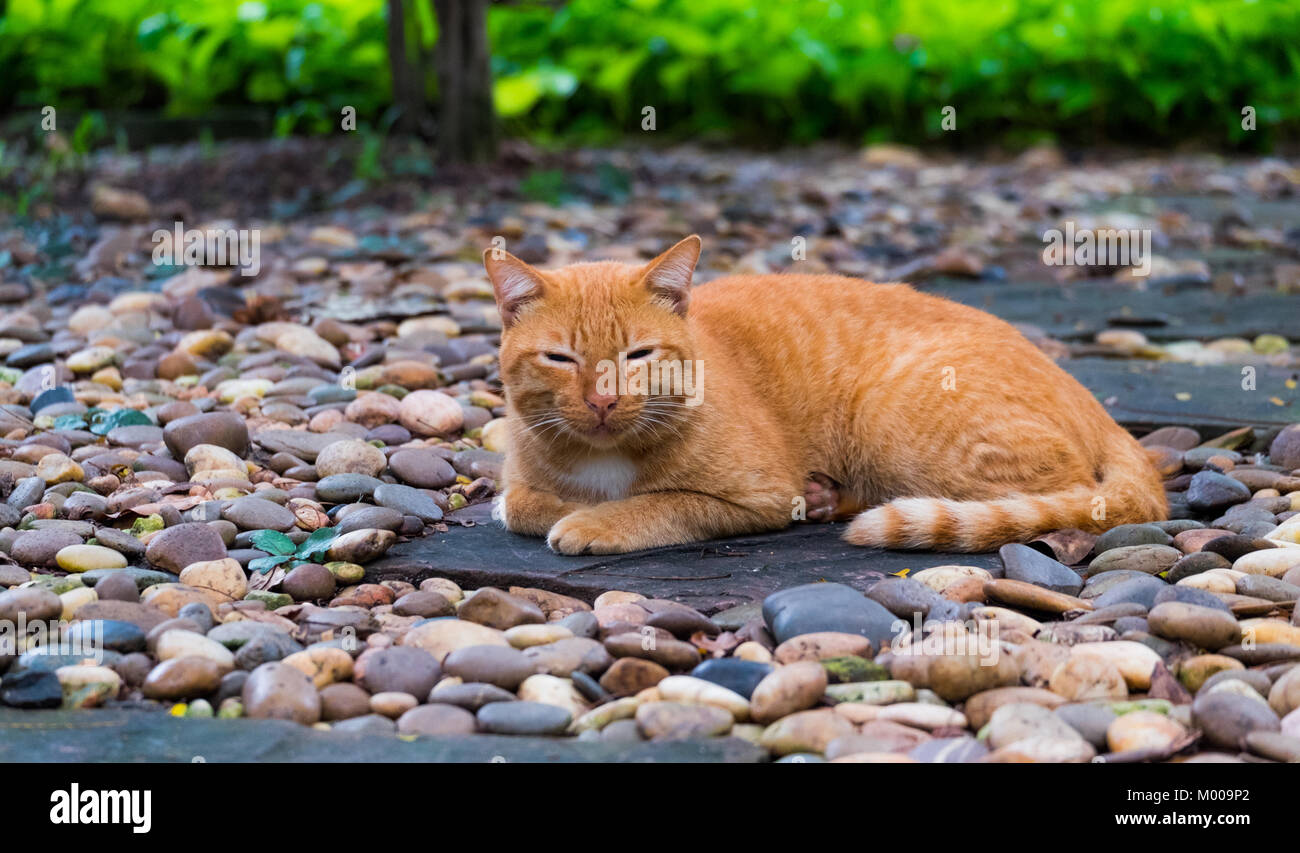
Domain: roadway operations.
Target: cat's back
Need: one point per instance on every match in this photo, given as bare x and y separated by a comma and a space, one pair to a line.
835, 309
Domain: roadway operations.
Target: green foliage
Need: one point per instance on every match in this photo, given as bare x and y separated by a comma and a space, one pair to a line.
763, 71
280, 548
1150, 70
307, 59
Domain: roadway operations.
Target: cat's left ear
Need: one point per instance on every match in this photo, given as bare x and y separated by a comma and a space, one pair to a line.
669, 275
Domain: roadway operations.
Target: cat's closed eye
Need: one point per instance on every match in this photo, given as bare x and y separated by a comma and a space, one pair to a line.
641, 353
560, 358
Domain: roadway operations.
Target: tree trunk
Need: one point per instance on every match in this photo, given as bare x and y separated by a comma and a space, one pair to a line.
466, 121
408, 91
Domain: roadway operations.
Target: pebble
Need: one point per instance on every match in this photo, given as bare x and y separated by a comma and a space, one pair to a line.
822, 645
343, 701
737, 675
442, 636
393, 704
87, 686
255, 513
678, 721
38, 548
804, 731
309, 582
1022, 563
437, 720
430, 413
182, 678
1203, 627
502, 666
177, 547
175, 644
1082, 679
224, 576
1210, 491
469, 695
31, 603
629, 676
1131, 534
31, 690
1226, 718
346, 488
498, 609
84, 558
280, 692
422, 469
790, 688
826, 607
688, 690
1142, 730
429, 604
360, 546
1148, 559
351, 456
527, 718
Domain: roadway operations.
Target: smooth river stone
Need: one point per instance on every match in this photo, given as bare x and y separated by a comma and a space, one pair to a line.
422, 468
277, 691
255, 513
84, 558
1025, 564
223, 429
1148, 559
176, 547
408, 501
346, 488
530, 718
1226, 718
1203, 627
815, 608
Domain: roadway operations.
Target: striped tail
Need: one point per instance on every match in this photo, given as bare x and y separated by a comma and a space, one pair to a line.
1130, 492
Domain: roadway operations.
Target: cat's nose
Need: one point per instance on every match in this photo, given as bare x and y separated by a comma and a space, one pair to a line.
602, 404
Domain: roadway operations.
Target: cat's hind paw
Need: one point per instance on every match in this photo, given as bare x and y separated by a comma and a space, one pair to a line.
821, 498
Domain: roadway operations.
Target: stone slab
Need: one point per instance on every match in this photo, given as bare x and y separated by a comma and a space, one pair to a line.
1144, 394
1078, 311
149, 736
709, 576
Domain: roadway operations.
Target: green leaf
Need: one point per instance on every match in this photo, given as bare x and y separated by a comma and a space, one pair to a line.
317, 543
102, 424
262, 565
273, 542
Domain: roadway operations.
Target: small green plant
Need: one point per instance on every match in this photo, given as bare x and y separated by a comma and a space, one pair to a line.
280, 548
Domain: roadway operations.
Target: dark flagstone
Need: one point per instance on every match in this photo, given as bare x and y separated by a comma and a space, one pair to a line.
1079, 310
146, 736
1141, 394
706, 575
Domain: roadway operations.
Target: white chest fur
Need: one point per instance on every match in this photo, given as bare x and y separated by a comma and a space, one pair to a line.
607, 477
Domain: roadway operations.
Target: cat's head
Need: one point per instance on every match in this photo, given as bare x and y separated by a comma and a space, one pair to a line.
599, 353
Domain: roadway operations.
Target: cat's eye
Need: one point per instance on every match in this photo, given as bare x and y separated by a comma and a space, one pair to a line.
641, 353
559, 358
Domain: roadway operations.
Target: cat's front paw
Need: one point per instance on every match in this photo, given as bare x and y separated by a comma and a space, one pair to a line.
585, 532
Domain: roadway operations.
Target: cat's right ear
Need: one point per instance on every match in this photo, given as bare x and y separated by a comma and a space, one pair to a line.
514, 282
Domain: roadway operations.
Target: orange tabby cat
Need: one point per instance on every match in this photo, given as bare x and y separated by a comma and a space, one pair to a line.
959, 432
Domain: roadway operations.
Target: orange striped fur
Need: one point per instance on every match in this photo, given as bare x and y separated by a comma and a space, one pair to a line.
945, 421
